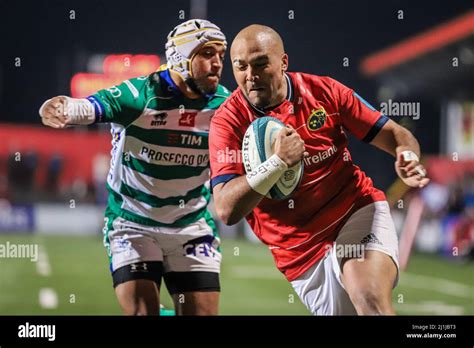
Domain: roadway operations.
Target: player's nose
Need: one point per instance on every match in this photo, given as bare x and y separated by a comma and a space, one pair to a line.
217, 62
251, 76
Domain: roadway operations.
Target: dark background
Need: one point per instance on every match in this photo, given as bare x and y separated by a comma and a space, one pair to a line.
53, 47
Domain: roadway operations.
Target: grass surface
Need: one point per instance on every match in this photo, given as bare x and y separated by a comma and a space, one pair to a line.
251, 285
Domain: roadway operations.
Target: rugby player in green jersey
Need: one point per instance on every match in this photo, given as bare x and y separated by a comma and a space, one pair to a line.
156, 223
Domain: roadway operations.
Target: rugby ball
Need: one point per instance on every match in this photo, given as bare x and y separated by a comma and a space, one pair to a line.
257, 147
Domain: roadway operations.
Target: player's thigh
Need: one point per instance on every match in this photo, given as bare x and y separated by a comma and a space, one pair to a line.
129, 243
369, 281
136, 264
194, 292
196, 303
192, 260
139, 297
321, 291
366, 251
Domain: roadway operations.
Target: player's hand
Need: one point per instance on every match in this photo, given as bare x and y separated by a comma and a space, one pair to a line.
411, 172
289, 146
54, 112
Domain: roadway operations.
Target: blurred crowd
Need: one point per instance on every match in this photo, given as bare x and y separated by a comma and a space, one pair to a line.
29, 177
449, 215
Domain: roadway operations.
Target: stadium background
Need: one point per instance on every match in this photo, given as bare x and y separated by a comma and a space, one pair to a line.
52, 182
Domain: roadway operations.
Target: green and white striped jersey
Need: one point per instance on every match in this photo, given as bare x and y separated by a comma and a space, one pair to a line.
159, 173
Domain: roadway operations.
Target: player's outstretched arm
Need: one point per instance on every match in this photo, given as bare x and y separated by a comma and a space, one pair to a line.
62, 111
235, 199
400, 142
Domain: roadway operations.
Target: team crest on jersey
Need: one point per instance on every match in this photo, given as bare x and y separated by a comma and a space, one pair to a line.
116, 136
316, 119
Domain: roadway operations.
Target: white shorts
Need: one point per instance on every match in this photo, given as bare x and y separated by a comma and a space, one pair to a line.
369, 228
194, 248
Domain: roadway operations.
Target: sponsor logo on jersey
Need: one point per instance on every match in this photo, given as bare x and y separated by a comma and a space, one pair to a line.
184, 139
188, 139
174, 138
115, 91
175, 157
370, 238
138, 267
188, 119
316, 119
200, 246
320, 156
122, 245
159, 119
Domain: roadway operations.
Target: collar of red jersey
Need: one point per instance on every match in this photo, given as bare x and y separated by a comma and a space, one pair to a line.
289, 97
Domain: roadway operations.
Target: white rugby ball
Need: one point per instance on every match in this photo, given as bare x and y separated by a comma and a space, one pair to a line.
257, 147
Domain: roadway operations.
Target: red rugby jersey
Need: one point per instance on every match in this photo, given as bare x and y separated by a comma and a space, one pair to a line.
298, 229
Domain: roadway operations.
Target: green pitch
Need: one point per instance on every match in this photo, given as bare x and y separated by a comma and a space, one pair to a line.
78, 282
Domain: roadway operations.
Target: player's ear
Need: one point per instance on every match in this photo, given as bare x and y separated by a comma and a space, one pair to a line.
284, 62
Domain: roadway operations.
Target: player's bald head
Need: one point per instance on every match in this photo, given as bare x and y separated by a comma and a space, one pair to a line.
259, 62
257, 37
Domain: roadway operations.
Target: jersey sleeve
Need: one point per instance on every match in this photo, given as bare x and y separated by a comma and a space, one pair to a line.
357, 115
225, 142
120, 104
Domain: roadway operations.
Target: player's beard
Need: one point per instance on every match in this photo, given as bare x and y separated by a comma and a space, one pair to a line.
267, 98
201, 86
261, 102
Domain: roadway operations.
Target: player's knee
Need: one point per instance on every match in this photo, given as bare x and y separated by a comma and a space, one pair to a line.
133, 303
208, 309
372, 302
139, 310
133, 311
200, 312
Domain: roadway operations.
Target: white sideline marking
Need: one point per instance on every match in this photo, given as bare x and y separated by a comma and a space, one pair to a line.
42, 265
48, 298
444, 286
416, 281
431, 307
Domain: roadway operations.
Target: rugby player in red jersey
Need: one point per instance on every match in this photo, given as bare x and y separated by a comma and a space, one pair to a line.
334, 238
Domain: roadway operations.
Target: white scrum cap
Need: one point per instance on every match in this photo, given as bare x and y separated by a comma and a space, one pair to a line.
185, 40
